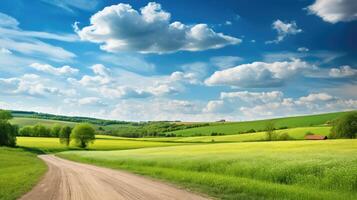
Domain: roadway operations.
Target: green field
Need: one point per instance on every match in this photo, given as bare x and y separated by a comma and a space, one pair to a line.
229, 128
49, 145
23, 121
251, 170
294, 133
19, 172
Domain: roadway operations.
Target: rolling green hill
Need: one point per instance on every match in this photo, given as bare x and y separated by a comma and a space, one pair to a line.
24, 121
145, 129
230, 128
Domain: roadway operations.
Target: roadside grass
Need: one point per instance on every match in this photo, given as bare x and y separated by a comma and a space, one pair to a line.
250, 170
20, 170
230, 128
294, 133
52, 145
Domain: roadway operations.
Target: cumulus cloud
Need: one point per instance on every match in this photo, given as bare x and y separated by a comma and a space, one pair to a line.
101, 77
124, 92
217, 106
157, 109
316, 97
258, 74
90, 101
122, 28
30, 84
284, 29
64, 70
258, 105
343, 71
252, 97
334, 11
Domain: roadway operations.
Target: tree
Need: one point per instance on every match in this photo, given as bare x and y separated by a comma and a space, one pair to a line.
41, 131
26, 131
5, 115
56, 130
270, 131
65, 135
345, 126
83, 134
8, 132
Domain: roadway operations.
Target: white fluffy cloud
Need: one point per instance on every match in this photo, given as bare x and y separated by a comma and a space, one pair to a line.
101, 77
124, 92
157, 109
122, 28
316, 97
258, 105
253, 97
284, 29
32, 85
64, 70
334, 11
258, 74
343, 71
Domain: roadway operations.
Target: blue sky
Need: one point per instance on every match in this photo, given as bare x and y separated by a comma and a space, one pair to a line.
178, 60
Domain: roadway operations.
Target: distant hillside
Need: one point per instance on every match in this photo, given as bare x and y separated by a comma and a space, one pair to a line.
172, 129
102, 122
229, 128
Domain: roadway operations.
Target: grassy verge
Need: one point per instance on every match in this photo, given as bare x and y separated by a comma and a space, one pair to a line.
252, 170
19, 172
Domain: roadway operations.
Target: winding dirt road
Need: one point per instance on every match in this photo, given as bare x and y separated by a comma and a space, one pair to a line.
67, 180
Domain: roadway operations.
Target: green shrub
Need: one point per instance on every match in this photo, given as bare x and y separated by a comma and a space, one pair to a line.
345, 126
8, 132
285, 136
83, 134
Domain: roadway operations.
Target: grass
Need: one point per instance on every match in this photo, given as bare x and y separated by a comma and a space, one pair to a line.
23, 121
230, 128
294, 133
251, 170
50, 145
19, 172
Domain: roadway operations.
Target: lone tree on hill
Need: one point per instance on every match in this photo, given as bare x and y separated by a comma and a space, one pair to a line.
83, 134
345, 126
270, 131
8, 132
65, 135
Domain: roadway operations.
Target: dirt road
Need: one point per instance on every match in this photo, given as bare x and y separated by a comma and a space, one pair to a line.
67, 180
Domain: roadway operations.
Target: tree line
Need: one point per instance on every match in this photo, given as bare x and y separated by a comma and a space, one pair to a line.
82, 134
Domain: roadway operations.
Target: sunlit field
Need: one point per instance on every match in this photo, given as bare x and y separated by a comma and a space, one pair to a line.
294, 133
251, 170
19, 172
101, 143
23, 121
